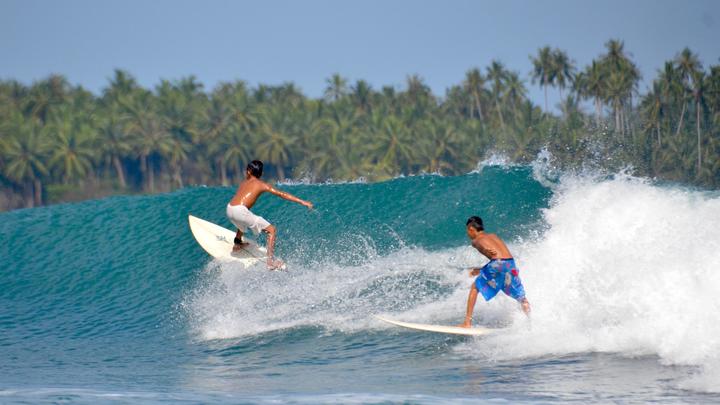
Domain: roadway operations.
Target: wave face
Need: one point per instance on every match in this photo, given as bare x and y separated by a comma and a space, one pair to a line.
114, 295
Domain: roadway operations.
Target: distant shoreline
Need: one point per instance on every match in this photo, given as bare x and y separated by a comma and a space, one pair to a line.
59, 142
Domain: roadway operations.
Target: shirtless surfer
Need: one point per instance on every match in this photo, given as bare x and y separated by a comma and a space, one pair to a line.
238, 209
500, 273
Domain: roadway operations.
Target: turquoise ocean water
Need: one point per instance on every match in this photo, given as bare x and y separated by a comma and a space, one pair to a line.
113, 301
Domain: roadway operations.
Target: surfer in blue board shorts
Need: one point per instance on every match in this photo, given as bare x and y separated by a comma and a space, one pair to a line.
238, 210
499, 274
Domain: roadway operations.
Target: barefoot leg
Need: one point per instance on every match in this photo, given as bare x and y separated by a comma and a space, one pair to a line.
272, 233
525, 306
472, 298
239, 244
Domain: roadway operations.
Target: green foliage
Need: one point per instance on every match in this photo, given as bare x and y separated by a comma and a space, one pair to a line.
57, 140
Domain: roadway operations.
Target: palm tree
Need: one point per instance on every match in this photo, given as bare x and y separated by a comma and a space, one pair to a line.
182, 105
563, 69
121, 86
115, 142
362, 96
543, 70
497, 75
653, 107
393, 146
687, 64
336, 87
417, 97
441, 146
615, 95
275, 144
176, 154
526, 131
287, 94
474, 85
330, 153
672, 88
25, 154
515, 92
698, 92
46, 94
71, 145
229, 149
592, 84
622, 80
151, 139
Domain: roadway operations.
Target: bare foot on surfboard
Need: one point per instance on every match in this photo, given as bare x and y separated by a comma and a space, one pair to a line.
240, 246
275, 264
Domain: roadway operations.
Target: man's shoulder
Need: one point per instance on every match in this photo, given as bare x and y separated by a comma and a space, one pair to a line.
265, 185
255, 182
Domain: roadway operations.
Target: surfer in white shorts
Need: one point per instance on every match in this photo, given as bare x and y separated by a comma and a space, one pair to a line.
238, 209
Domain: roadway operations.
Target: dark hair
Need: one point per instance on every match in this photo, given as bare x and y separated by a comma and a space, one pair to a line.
475, 222
255, 168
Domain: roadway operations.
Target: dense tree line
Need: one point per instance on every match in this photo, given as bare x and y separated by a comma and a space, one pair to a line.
59, 141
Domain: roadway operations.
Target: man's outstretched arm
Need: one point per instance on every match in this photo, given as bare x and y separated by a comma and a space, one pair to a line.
289, 197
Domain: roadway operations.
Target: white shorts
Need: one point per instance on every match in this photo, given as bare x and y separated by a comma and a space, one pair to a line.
243, 219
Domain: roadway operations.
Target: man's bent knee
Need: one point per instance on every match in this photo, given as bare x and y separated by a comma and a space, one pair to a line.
270, 229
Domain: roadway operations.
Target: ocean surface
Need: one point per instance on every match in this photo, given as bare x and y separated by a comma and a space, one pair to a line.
113, 301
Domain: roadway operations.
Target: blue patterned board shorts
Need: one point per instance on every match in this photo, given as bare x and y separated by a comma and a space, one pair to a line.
500, 274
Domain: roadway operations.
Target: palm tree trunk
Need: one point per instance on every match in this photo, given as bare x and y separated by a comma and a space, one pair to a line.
238, 176
223, 172
148, 174
502, 121
143, 170
151, 178
28, 194
178, 176
281, 172
598, 110
478, 106
657, 127
119, 170
38, 192
546, 103
699, 135
682, 116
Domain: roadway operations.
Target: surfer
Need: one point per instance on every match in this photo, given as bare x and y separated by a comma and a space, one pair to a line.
238, 210
500, 273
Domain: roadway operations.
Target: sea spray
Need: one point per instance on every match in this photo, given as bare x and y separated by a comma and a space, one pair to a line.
625, 266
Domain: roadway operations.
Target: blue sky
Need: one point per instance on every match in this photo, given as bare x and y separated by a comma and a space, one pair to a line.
306, 41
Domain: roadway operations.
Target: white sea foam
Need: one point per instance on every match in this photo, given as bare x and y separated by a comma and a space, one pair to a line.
307, 180
236, 302
624, 266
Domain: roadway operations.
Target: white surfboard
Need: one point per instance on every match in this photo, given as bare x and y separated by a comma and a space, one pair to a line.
219, 241
453, 330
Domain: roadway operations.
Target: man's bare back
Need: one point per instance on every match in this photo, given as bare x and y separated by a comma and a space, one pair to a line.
248, 192
491, 246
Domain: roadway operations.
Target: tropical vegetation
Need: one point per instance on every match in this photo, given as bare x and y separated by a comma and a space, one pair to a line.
60, 142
